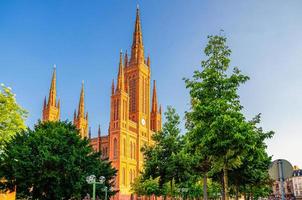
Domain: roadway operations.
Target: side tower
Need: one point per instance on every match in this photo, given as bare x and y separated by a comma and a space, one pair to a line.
155, 112
130, 116
118, 127
51, 109
80, 120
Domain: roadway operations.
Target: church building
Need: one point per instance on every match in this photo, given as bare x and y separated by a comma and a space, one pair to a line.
134, 116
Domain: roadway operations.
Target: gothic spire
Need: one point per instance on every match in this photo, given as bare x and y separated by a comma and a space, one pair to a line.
74, 116
99, 131
120, 79
137, 51
89, 133
44, 104
53, 90
148, 61
154, 98
99, 138
126, 59
112, 87
81, 109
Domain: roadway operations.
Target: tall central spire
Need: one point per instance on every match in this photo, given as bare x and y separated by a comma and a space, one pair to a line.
53, 90
137, 51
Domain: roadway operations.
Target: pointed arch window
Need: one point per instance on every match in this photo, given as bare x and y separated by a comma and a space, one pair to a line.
115, 148
124, 141
124, 176
131, 155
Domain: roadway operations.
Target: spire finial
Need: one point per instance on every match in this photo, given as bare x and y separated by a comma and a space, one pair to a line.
112, 87
120, 77
137, 51
99, 139
154, 98
54, 66
53, 90
81, 109
126, 59
99, 131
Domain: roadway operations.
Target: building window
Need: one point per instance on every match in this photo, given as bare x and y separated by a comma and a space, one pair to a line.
115, 148
131, 156
130, 176
134, 153
124, 147
132, 94
124, 176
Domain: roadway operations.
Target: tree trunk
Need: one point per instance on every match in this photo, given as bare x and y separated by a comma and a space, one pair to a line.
171, 187
222, 187
205, 189
237, 192
225, 183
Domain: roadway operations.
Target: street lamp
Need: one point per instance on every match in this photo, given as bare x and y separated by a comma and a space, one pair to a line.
92, 180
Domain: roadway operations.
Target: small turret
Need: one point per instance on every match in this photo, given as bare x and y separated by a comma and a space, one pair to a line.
148, 61
80, 118
112, 87
120, 78
126, 59
89, 133
99, 139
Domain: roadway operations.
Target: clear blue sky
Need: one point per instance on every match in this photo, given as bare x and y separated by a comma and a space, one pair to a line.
83, 38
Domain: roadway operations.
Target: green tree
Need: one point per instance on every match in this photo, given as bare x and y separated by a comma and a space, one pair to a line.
252, 177
166, 158
146, 187
12, 116
52, 162
218, 130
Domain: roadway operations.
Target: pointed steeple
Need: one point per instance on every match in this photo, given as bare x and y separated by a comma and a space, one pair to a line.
51, 108
74, 116
126, 59
112, 87
154, 98
58, 107
58, 104
99, 131
99, 138
89, 133
81, 109
120, 78
53, 89
44, 104
159, 109
80, 119
148, 61
137, 51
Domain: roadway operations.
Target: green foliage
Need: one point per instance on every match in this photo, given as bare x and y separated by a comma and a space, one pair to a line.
252, 176
52, 162
12, 116
166, 159
220, 138
146, 187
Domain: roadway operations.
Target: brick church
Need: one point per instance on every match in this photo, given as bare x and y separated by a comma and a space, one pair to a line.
132, 119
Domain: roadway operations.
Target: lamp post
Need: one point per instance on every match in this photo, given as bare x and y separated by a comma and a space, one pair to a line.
92, 180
